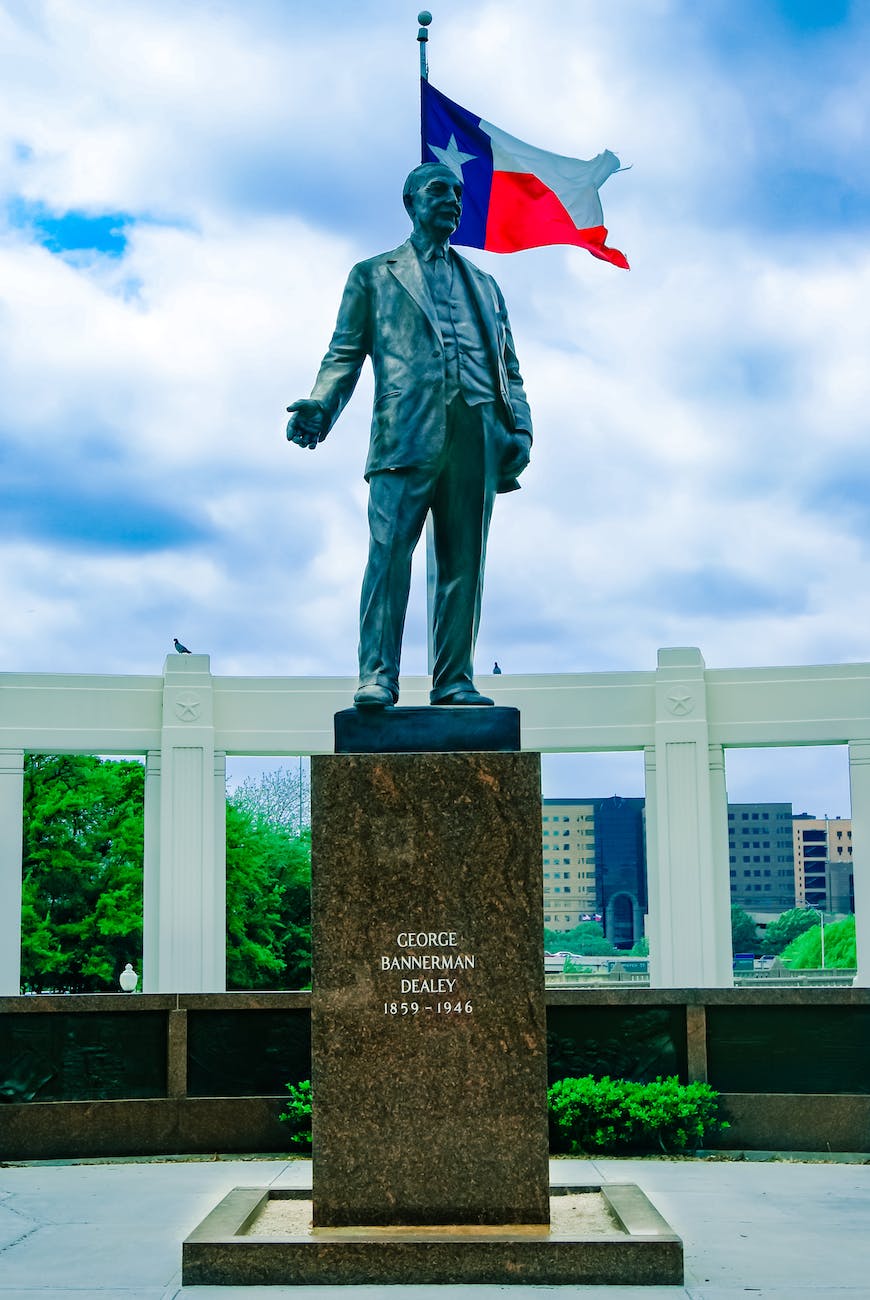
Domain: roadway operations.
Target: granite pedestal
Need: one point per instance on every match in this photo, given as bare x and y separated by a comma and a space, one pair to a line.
430, 1135
427, 1012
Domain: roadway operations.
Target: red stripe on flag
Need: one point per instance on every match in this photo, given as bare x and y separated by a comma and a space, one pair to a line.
525, 213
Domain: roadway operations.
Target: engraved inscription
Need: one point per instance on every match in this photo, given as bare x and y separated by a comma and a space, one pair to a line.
430, 982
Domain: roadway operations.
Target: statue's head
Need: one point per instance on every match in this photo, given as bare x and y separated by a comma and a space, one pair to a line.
432, 196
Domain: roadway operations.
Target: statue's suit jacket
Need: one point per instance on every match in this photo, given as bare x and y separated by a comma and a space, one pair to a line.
387, 313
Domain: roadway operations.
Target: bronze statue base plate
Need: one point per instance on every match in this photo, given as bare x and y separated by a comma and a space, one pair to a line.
436, 729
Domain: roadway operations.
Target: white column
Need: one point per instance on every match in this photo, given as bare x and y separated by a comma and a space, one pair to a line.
690, 904
859, 781
11, 847
654, 882
186, 889
151, 884
719, 931
218, 927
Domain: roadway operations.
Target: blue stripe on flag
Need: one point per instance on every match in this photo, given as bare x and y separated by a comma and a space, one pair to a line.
452, 129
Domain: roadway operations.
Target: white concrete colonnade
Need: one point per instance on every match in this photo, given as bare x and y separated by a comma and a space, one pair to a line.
682, 716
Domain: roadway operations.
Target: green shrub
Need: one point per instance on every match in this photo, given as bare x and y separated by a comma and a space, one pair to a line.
805, 952
298, 1115
595, 1115
591, 1115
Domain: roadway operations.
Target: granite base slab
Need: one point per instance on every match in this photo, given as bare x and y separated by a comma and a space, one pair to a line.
617, 1239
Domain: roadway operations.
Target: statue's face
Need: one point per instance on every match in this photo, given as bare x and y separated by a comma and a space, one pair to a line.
437, 204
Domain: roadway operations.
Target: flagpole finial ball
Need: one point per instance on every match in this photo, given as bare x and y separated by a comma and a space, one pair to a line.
424, 18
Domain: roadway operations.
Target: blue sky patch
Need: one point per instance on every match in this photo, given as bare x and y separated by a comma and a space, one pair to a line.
48, 502
69, 232
720, 591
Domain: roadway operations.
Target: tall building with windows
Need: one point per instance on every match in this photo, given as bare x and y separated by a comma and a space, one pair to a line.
595, 865
823, 863
761, 857
568, 836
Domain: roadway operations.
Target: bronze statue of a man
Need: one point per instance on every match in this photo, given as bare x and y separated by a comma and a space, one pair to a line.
451, 428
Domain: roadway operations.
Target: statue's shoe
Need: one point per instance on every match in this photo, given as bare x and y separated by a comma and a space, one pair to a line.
465, 697
374, 696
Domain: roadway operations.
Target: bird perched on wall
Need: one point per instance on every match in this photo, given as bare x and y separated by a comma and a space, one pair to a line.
182, 649
496, 670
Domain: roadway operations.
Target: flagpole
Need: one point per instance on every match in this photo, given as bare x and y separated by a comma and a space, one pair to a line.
424, 18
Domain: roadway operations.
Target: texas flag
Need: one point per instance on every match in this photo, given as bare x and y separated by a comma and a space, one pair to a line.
516, 196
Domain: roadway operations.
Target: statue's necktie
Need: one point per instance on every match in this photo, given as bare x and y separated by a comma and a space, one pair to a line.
441, 276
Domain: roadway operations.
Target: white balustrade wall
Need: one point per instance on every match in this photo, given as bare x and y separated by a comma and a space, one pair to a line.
681, 716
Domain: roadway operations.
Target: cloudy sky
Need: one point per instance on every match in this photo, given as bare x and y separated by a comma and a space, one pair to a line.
184, 187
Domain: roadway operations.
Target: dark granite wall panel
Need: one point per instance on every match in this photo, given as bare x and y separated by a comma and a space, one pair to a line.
640, 1043
429, 1077
246, 1053
92, 1057
800, 1049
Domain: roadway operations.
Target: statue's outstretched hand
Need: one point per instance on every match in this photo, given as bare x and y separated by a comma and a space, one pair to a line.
307, 423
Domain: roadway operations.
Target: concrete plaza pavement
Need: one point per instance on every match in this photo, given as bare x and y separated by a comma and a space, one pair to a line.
769, 1230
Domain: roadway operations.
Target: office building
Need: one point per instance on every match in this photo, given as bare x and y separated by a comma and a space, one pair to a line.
761, 857
823, 863
595, 865
567, 832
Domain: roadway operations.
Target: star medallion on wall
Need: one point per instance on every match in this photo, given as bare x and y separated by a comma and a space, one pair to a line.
187, 709
680, 703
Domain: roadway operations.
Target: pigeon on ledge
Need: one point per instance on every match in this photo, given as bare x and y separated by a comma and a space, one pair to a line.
182, 649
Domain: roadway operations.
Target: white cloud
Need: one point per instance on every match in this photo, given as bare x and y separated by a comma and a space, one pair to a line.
700, 421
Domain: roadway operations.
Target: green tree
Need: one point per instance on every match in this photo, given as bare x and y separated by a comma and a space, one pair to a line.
268, 903
805, 952
82, 872
781, 932
744, 932
586, 940
281, 798
640, 947
83, 876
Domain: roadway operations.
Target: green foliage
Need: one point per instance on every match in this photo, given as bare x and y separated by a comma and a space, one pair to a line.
744, 931
268, 904
591, 1115
281, 798
805, 952
83, 876
585, 940
298, 1115
640, 947
82, 872
781, 932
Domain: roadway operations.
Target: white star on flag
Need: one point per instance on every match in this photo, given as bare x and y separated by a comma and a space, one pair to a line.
452, 156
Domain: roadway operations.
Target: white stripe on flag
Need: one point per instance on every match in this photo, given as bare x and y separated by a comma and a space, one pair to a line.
574, 181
